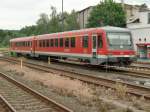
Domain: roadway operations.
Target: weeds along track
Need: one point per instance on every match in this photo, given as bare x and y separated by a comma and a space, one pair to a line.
137, 90
23, 99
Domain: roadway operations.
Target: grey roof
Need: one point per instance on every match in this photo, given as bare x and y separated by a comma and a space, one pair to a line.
112, 28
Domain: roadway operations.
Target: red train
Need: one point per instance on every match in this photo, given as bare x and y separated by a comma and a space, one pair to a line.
96, 46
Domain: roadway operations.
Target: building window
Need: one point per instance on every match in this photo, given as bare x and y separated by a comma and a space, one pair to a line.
140, 39
100, 41
148, 18
85, 42
67, 42
61, 42
145, 39
73, 42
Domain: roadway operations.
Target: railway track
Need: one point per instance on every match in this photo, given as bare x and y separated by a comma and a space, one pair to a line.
133, 70
137, 90
146, 63
136, 71
20, 98
5, 106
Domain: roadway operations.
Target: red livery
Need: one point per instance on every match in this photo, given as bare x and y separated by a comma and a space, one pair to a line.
96, 46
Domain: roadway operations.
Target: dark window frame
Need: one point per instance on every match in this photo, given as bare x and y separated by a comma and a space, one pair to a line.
47, 43
56, 42
44, 44
73, 42
99, 41
61, 42
67, 43
85, 41
51, 42
40, 43
148, 18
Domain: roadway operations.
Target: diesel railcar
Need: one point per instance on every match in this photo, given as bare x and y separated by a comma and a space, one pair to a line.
95, 46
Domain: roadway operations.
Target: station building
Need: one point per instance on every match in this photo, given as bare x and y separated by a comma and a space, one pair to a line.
140, 28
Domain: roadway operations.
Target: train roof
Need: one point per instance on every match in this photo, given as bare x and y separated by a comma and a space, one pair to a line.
115, 29
74, 32
22, 39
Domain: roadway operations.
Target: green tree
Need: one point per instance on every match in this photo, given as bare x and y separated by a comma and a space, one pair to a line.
71, 22
43, 24
107, 12
54, 22
6, 35
28, 31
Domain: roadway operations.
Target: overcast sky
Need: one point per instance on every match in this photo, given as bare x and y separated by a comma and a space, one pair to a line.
16, 14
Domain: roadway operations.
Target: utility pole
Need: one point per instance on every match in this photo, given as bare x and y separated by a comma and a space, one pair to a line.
62, 15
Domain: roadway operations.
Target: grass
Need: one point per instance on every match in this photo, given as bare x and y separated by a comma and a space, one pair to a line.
121, 90
4, 49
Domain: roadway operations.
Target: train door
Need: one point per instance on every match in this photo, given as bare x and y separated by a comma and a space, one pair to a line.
32, 49
94, 59
94, 46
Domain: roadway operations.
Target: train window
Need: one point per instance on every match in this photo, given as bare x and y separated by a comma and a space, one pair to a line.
61, 42
52, 42
56, 42
100, 41
47, 43
73, 42
44, 44
24, 44
40, 43
30, 44
85, 42
67, 42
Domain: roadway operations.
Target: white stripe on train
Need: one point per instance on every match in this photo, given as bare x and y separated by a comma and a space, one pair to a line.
73, 54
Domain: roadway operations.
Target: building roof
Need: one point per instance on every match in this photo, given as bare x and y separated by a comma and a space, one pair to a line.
85, 9
22, 39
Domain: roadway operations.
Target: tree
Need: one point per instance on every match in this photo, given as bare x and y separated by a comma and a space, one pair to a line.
43, 24
71, 21
107, 13
54, 21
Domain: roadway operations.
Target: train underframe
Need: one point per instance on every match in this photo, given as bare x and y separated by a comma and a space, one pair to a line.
117, 61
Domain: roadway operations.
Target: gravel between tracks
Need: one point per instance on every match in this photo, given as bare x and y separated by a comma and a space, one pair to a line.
73, 93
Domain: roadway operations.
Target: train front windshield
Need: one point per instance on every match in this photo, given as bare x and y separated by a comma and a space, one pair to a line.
120, 41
